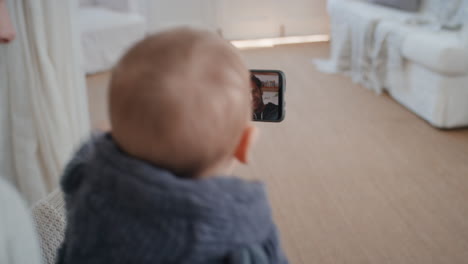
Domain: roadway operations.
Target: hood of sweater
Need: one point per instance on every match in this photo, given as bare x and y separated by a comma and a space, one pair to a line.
124, 210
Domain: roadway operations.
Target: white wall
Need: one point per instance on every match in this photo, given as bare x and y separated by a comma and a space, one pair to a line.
242, 19
303, 17
163, 14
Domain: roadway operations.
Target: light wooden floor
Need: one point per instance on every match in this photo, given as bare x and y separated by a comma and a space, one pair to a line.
353, 177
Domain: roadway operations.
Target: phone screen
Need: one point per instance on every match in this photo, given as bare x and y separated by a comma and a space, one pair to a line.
267, 95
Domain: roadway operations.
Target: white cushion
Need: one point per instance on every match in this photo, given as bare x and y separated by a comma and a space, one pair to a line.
441, 51
106, 34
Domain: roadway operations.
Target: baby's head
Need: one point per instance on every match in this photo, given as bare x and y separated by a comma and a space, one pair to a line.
181, 100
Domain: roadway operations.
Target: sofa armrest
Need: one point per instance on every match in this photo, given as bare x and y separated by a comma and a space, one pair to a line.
124, 6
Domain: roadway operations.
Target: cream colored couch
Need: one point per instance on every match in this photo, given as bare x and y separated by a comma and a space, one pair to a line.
432, 79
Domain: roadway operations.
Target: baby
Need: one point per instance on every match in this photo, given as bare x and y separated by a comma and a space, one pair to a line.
154, 189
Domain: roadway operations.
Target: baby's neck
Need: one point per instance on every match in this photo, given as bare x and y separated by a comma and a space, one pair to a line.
223, 168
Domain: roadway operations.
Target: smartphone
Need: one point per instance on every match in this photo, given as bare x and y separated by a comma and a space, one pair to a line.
268, 88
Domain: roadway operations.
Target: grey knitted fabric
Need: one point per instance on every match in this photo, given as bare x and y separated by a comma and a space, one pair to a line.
123, 210
49, 219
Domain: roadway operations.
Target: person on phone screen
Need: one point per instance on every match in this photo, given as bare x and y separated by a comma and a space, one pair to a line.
261, 111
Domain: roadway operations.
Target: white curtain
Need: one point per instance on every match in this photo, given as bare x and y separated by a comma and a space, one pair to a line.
43, 104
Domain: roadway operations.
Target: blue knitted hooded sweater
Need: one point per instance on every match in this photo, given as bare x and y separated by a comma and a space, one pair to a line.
124, 210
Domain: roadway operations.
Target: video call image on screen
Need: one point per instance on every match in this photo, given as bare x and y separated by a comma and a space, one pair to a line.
265, 95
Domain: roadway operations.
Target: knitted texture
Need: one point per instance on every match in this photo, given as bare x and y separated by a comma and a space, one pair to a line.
49, 219
123, 210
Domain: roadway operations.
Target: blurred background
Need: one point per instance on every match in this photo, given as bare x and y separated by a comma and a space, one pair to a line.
370, 164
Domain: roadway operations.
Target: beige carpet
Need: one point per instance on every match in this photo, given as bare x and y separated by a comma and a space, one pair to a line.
353, 177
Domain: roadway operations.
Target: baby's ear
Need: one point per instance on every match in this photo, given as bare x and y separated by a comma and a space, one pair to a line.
249, 136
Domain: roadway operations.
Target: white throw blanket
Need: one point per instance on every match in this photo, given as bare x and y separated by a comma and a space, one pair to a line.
371, 49
367, 49
386, 56
352, 50
386, 51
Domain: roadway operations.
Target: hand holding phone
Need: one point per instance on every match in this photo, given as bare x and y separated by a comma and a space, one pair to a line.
268, 88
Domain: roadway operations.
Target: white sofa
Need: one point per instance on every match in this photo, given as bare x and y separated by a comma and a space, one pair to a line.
108, 28
431, 79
